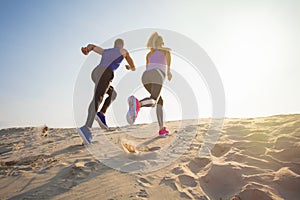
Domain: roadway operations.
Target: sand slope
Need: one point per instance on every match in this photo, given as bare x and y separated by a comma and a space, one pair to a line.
254, 158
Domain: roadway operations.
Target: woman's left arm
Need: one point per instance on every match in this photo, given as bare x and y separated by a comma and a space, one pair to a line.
168, 57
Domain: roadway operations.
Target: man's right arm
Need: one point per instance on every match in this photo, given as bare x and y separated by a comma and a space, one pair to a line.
92, 47
129, 60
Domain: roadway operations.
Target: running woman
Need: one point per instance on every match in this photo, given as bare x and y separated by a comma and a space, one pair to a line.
102, 76
158, 62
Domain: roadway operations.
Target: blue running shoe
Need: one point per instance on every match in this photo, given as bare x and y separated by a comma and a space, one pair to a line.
101, 120
85, 134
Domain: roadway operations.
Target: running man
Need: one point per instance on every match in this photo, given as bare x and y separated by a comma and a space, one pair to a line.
102, 76
158, 62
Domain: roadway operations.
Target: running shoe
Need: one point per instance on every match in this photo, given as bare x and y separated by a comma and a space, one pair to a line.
133, 111
100, 118
85, 134
163, 132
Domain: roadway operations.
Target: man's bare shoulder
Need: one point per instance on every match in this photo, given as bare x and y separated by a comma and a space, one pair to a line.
124, 52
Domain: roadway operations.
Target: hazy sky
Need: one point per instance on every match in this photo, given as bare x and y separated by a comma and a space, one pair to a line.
255, 46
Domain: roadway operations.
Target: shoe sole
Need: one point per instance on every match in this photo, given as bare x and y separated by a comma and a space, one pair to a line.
132, 107
100, 123
85, 141
163, 135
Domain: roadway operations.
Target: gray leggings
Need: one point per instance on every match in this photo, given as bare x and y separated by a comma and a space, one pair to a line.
153, 81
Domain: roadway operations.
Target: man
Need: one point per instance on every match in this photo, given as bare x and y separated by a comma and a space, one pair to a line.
102, 76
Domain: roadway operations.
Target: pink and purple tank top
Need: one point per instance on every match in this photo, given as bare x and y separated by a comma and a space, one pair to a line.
157, 61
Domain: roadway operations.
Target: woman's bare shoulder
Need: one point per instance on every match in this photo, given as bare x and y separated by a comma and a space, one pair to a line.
150, 52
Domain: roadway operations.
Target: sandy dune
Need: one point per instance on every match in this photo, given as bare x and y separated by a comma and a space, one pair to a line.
254, 158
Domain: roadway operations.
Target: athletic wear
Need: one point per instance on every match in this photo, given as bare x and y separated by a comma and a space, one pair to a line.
100, 118
111, 58
102, 87
102, 76
86, 135
160, 114
153, 81
133, 111
157, 60
112, 94
153, 78
163, 132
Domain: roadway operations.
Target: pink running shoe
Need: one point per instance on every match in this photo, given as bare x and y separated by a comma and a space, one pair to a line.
163, 132
134, 108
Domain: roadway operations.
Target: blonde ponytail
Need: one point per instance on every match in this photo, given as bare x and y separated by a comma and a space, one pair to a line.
155, 41
151, 44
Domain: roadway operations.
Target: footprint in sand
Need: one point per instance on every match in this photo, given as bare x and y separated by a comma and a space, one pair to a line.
286, 155
190, 128
5, 149
188, 187
253, 194
285, 141
187, 181
222, 181
286, 181
177, 170
142, 194
236, 131
168, 181
258, 136
144, 182
198, 164
220, 150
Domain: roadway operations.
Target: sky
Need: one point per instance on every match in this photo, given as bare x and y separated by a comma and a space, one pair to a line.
254, 45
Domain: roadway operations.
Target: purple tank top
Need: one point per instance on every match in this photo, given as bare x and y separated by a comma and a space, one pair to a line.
157, 61
111, 58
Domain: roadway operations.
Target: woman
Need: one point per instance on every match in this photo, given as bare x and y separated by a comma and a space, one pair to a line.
158, 62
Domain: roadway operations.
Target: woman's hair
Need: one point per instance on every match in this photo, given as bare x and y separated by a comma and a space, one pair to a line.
155, 41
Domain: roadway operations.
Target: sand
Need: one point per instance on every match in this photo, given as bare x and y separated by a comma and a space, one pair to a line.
254, 158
